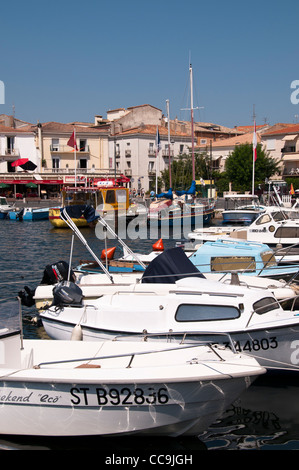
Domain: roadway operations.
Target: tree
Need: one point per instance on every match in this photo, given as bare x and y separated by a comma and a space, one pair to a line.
181, 171
239, 166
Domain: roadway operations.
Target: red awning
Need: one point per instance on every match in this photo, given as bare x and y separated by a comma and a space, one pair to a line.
31, 181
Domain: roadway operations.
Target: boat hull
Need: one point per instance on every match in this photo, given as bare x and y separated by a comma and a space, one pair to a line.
116, 388
30, 214
83, 409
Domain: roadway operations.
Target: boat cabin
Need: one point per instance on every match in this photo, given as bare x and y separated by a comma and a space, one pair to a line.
104, 199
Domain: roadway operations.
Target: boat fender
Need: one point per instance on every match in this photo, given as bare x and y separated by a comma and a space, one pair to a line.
77, 333
110, 253
158, 246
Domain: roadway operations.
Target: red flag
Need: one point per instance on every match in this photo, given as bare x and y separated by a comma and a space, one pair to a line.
254, 142
72, 141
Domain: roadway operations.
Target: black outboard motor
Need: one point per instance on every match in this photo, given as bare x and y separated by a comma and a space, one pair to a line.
67, 294
20, 214
57, 272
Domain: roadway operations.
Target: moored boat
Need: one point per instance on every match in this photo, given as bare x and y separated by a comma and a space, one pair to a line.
112, 388
30, 213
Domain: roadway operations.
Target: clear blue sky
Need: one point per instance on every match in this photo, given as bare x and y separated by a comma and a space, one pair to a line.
69, 60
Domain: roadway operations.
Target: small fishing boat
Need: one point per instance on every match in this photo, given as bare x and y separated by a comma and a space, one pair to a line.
114, 388
171, 210
109, 200
30, 213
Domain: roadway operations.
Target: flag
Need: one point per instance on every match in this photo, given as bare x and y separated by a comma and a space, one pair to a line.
158, 145
72, 141
254, 142
292, 189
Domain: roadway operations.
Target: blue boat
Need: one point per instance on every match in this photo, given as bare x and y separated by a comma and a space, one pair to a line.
30, 213
244, 257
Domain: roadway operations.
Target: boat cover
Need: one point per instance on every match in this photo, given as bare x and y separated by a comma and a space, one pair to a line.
169, 267
77, 211
167, 195
191, 190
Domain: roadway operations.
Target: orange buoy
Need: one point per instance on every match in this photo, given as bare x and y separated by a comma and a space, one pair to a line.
158, 246
110, 253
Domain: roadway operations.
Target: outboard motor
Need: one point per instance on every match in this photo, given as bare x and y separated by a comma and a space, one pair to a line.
20, 214
57, 272
67, 294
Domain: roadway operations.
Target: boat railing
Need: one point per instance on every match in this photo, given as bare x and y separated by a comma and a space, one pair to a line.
212, 345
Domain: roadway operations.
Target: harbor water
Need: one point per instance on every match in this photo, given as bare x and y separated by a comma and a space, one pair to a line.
265, 417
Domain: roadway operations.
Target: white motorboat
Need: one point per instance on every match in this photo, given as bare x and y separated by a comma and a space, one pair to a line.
69, 388
253, 317
272, 227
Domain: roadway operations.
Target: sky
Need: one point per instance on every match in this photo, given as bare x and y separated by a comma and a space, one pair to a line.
68, 60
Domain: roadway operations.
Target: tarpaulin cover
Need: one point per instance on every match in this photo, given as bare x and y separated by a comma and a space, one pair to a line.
168, 195
169, 267
191, 190
77, 211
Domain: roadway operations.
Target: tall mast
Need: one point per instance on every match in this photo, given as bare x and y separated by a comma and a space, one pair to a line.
192, 121
169, 157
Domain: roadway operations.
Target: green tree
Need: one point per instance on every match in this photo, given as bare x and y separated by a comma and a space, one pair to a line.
181, 171
239, 167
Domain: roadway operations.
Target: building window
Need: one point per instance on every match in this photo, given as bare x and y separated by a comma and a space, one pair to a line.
55, 145
83, 146
83, 163
55, 163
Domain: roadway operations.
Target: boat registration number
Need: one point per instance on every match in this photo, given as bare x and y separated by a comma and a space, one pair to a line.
255, 344
119, 396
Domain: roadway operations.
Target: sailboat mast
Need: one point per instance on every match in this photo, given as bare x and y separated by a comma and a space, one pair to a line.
169, 156
192, 121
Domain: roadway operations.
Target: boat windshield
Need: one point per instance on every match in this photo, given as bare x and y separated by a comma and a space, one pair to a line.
233, 263
265, 305
268, 258
279, 215
84, 197
3, 201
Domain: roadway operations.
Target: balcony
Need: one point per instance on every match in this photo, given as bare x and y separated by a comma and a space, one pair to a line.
165, 153
10, 154
67, 149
